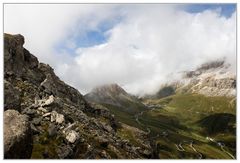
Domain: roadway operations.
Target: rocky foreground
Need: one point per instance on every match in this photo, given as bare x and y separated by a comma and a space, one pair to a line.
46, 118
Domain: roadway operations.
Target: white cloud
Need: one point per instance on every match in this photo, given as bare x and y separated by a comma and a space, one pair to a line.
149, 43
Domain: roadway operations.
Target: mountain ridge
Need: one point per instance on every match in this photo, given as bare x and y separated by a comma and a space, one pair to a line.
59, 122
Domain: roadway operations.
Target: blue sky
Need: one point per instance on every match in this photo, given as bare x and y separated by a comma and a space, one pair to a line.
98, 35
226, 9
91, 37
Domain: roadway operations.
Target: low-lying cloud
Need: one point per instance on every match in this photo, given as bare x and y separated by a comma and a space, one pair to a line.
149, 43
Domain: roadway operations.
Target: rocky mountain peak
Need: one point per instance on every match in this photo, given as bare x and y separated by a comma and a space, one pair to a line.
211, 79
113, 89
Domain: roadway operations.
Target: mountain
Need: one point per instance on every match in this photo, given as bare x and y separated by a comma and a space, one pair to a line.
198, 110
123, 105
46, 118
114, 95
211, 79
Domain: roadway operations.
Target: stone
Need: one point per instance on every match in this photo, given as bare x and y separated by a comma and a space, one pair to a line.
11, 97
49, 101
29, 111
42, 109
56, 117
37, 121
52, 130
17, 135
46, 114
72, 136
107, 128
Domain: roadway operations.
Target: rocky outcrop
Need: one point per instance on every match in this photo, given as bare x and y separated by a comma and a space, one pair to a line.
210, 79
17, 135
11, 97
62, 122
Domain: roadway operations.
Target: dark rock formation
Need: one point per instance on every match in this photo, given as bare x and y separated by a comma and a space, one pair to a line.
11, 97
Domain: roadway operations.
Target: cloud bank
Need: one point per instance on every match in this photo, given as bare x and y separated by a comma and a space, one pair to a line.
144, 45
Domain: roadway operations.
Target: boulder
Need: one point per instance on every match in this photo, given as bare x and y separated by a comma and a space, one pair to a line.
17, 135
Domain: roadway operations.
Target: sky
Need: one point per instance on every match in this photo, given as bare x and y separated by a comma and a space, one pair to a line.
134, 45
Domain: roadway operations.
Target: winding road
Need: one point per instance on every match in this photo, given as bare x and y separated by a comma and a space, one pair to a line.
179, 146
221, 145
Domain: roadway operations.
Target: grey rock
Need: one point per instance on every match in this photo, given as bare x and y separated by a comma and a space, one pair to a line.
11, 97
52, 130
17, 135
29, 111
37, 121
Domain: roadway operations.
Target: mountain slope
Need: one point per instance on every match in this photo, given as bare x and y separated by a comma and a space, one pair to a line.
114, 95
123, 105
196, 111
60, 123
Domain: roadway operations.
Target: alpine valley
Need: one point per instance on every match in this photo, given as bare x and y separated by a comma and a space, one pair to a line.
193, 117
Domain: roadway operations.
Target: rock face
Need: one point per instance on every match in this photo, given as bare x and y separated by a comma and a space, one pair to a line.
210, 79
17, 135
62, 122
11, 97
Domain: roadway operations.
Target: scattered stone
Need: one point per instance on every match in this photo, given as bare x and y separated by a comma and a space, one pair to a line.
68, 128
49, 101
46, 115
72, 136
56, 117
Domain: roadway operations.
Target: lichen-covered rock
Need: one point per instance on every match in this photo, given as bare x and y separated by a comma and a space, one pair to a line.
17, 135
